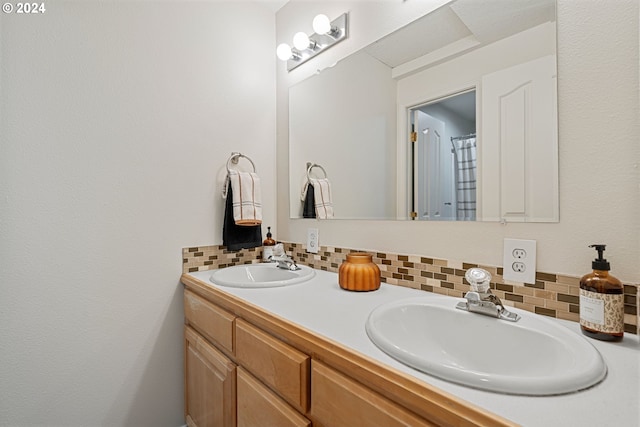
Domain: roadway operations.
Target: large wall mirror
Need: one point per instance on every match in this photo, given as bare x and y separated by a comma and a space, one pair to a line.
451, 118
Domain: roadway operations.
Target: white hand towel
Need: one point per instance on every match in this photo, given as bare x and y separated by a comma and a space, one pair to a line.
323, 201
247, 197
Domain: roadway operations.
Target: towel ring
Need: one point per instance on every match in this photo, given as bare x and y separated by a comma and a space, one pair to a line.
234, 159
314, 165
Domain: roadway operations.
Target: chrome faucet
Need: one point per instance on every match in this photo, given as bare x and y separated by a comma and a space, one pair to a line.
283, 260
481, 300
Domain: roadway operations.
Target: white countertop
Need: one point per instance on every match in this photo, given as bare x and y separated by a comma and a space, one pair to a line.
321, 306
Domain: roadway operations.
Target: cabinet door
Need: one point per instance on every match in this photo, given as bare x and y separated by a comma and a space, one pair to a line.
339, 401
260, 407
210, 384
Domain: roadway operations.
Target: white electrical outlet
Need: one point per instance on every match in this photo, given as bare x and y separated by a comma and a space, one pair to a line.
519, 261
312, 240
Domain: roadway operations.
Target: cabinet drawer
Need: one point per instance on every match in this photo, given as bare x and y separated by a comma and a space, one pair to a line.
278, 365
211, 321
339, 401
258, 406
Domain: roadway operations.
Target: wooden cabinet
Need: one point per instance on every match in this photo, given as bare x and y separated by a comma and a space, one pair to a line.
258, 406
245, 367
210, 384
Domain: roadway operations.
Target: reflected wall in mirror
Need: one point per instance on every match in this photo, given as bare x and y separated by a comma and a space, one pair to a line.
355, 118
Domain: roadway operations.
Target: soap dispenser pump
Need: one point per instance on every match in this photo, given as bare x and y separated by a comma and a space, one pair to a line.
267, 247
601, 301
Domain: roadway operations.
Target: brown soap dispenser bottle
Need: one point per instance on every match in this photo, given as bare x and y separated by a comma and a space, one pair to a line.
601, 302
267, 247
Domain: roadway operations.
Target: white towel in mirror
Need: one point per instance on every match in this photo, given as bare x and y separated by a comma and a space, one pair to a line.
322, 194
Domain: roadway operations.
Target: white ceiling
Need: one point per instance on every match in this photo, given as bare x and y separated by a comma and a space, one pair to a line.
486, 20
274, 5
463, 105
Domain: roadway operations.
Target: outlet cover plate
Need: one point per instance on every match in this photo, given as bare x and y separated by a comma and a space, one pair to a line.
519, 261
312, 240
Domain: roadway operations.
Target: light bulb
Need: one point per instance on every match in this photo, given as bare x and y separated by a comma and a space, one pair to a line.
321, 24
301, 41
284, 51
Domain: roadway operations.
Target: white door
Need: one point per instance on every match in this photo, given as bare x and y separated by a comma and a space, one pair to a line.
519, 143
432, 184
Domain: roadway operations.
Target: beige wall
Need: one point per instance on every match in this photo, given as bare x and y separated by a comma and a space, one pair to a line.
599, 151
365, 133
116, 122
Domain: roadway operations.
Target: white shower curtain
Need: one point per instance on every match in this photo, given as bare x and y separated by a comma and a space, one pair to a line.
465, 151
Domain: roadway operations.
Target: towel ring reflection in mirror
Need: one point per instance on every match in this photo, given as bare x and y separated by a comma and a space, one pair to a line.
314, 165
235, 157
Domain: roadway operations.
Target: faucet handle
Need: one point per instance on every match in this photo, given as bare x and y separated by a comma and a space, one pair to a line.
479, 279
278, 250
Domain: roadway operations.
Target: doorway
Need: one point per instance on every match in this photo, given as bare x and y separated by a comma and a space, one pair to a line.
437, 163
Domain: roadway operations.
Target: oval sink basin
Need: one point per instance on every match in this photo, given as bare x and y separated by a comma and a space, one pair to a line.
260, 276
534, 356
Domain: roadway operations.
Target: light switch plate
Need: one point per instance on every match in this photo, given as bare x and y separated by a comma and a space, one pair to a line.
312, 240
519, 260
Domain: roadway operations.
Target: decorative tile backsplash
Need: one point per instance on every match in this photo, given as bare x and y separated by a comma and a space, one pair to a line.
552, 295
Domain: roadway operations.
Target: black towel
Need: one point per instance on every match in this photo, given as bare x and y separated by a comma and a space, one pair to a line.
309, 207
236, 237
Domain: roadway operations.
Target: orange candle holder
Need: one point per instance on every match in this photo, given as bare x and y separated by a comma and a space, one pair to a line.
359, 273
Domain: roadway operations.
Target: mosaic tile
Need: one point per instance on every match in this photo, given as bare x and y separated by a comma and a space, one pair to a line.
555, 295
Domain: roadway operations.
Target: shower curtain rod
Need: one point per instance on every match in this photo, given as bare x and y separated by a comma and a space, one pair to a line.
455, 138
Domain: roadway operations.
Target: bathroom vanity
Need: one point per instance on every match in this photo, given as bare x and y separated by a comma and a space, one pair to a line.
299, 356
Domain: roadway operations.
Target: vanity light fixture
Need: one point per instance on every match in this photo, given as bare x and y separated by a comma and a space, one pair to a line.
327, 34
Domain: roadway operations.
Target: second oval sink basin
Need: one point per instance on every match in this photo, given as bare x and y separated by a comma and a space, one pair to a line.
260, 276
534, 356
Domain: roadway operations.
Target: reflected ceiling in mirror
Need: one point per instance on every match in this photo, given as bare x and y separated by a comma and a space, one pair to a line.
353, 118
